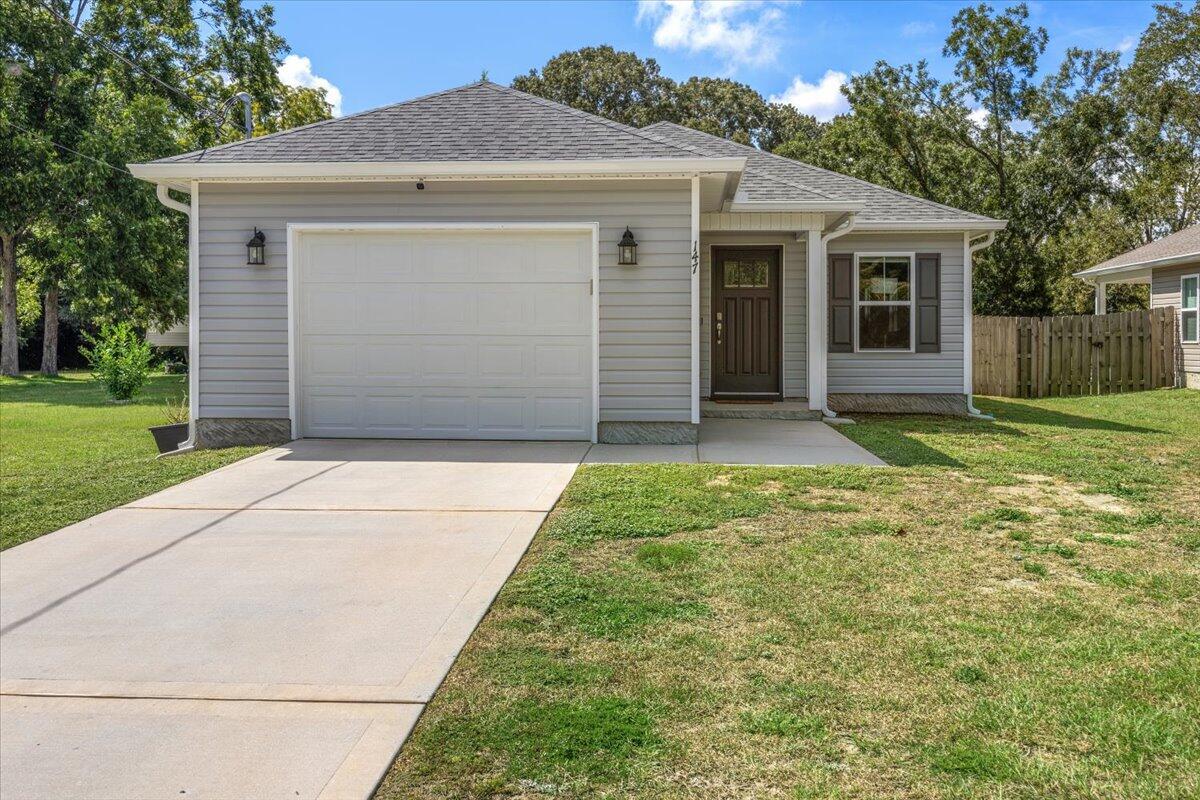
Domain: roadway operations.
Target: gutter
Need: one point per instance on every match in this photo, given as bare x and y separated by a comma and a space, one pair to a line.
1106, 272
836, 233
165, 198
968, 323
159, 172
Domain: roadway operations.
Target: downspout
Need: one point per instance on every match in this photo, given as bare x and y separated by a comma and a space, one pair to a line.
165, 198
968, 323
826, 238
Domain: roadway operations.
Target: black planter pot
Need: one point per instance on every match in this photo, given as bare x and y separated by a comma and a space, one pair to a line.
169, 437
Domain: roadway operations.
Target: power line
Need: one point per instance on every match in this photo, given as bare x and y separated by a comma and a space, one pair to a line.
207, 112
48, 140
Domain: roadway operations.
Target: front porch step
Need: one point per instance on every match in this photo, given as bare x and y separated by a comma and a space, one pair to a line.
784, 409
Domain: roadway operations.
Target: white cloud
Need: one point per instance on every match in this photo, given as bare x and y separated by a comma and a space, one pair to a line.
912, 30
297, 71
979, 116
740, 31
824, 99
1126, 44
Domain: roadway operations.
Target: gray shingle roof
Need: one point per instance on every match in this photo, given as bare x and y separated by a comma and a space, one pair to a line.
488, 122
478, 122
770, 177
1178, 245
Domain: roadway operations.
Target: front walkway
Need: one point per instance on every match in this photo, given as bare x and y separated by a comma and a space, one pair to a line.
271, 629
764, 442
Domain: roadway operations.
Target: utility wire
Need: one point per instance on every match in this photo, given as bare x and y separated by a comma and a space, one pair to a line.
206, 111
48, 140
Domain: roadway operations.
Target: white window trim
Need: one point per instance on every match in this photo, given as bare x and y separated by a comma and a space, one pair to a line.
911, 303
1193, 309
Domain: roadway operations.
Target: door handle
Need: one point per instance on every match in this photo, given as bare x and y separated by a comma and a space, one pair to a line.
719, 327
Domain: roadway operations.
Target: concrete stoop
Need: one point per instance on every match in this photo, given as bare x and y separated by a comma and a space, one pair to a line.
784, 409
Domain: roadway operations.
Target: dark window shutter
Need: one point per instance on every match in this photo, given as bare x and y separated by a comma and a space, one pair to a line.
929, 302
841, 303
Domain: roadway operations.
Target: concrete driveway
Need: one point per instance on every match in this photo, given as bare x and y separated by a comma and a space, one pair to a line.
271, 629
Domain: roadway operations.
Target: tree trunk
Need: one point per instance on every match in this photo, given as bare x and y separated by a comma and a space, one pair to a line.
8, 327
50, 332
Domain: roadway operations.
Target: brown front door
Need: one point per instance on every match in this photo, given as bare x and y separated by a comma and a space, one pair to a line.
745, 322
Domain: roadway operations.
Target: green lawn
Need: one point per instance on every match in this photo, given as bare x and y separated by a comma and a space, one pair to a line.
1013, 611
67, 453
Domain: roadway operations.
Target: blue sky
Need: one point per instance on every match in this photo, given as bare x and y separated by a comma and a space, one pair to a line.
374, 53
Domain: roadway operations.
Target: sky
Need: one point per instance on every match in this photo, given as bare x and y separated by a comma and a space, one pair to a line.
369, 54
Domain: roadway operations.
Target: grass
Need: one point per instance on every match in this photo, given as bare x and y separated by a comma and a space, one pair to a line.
67, 453
1012, 611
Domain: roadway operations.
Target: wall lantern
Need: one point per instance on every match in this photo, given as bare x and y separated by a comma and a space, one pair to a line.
627, 249
256, 248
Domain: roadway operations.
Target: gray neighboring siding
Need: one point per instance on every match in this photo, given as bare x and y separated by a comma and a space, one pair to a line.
794, 303
1164, 291
644, 320
906, 373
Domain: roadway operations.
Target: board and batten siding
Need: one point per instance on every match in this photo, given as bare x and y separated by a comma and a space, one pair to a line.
645, 343
793, 303
902, 373
1165, 291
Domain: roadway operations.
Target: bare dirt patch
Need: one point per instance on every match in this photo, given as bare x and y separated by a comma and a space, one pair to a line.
1040, 488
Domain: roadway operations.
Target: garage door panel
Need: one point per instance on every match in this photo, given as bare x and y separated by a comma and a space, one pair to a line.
446, 335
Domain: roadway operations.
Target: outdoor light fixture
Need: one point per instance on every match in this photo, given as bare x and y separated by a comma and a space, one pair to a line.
256, 248
627, 249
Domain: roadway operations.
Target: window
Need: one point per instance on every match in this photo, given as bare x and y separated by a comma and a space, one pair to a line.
884, 300
746, 273
1189, 309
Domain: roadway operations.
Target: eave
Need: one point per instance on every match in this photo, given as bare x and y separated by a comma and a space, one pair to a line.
295, 171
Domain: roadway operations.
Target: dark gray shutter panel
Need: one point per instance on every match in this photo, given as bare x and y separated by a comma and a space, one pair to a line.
841, 303
929, 302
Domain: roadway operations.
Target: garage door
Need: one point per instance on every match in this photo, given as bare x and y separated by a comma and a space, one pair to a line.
445, 334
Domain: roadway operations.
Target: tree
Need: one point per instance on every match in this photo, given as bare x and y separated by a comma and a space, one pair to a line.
620, 86
1159, 171
134, 83
613, 84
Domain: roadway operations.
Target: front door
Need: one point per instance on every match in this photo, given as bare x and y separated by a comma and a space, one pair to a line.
745, 323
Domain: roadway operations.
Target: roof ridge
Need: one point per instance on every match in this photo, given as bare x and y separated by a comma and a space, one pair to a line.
905, 195
319, 123
596, 118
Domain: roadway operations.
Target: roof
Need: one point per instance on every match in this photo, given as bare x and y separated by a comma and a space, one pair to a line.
1178, 248
478, 122
484, 129
773, 178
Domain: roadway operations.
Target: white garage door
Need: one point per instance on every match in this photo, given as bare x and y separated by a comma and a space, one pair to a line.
445, 334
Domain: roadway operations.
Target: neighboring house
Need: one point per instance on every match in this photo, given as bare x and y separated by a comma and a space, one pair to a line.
451, 267
174, 336
1171, 266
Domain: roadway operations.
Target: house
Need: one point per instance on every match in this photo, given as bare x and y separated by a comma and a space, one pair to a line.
1171, 267
483, 263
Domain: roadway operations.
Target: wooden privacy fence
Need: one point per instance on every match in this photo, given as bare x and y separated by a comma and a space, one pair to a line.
1078, 355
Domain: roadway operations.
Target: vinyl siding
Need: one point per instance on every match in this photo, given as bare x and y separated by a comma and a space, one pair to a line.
1165, 291
644, 316
908, 373
793, 303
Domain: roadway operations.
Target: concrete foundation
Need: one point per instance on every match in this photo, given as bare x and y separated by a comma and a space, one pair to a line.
953, 405
648, 433
214, 432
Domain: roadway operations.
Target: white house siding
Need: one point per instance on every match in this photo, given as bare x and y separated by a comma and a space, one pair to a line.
908, 373
795, 313
644, 310
1164, 291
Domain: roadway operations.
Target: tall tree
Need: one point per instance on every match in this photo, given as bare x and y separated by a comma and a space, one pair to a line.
92, 87
614, 84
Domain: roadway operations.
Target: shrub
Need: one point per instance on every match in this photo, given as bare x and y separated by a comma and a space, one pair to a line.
120, 359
